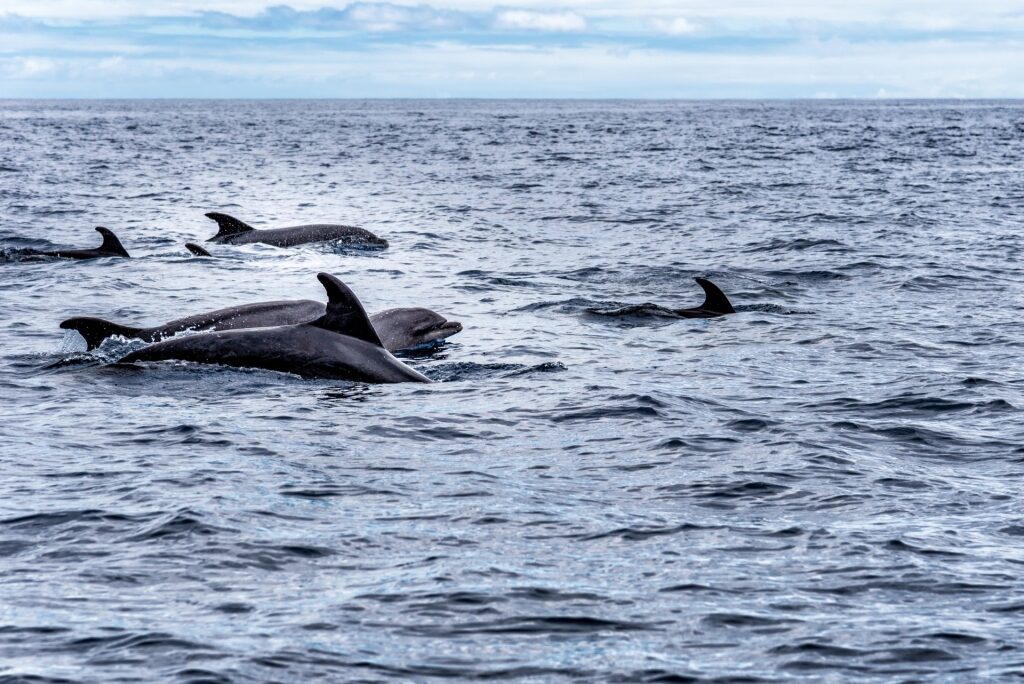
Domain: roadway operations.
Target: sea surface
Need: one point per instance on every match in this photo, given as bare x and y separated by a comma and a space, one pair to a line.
827, 486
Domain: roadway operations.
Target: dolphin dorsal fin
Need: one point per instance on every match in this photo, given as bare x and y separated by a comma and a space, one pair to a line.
714, 300
345, 313
110, 242
196, 250
228, 225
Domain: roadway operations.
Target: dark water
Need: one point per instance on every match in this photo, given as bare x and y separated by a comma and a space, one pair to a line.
826, 486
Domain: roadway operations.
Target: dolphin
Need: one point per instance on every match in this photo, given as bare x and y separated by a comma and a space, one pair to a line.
399, 329
111, 247
196, 250
715, 303
260, 315
234, 232
340, 345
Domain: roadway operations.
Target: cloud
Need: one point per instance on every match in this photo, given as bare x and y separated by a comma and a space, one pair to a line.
680, 26
579, 48
19, 68
359, 16
840, 69
381, 17
541, 21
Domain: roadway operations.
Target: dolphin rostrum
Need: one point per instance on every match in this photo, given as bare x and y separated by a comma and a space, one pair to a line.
340, 345
235, 232
111, 247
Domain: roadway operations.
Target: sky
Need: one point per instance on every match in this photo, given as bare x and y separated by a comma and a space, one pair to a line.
516, 48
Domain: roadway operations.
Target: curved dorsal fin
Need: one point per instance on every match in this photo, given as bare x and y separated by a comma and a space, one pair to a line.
110, 242
714, 300
345, 313
228, 225
196, 249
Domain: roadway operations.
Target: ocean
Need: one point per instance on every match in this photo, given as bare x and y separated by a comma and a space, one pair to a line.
825, 486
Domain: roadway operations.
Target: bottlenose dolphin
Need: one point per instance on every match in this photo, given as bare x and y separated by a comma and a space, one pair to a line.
340, 345
111, 247
196, 250
260, 315
232, 231
715, 303
405, 328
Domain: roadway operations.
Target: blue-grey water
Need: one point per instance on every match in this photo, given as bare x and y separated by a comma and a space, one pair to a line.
826, 486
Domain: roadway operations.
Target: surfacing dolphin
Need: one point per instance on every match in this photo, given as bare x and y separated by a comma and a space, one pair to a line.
111, 247
232, 231
196, 250
399, 329
340, 345
259, 315
715, 303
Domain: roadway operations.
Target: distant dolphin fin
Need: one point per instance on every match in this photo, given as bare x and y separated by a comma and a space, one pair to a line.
228, 225
110, 242
345, 313
196, 249
714, 300
95, 330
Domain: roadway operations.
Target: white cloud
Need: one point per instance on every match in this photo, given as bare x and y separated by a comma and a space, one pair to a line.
836, 69
869, 11
380, 17
541, 21
27, 68
594, 48
746, 16
392, 17
680, 26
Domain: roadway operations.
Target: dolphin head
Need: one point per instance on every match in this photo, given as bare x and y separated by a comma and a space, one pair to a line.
371, 240
413, 328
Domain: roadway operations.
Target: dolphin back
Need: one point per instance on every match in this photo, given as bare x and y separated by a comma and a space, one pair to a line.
95, 330
305, 350
111, 247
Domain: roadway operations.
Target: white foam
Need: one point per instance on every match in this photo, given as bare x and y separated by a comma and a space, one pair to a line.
72, 342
